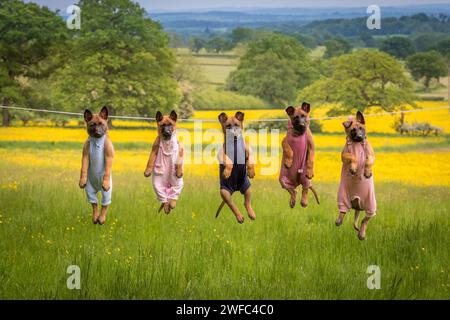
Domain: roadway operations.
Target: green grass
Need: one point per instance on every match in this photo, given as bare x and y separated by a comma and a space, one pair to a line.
284, 254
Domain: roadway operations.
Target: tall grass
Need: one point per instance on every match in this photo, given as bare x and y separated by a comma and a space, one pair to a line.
284, 254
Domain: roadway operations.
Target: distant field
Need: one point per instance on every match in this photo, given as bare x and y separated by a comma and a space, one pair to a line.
217, 67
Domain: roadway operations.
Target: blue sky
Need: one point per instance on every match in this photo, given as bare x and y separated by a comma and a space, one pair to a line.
198, 4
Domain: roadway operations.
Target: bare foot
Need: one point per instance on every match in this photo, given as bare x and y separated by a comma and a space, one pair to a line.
293, 198
95, 217
251, 213
166, 208
172, 204
340, 219
304, 201
101, 219
362, 231
240, 218
94, 213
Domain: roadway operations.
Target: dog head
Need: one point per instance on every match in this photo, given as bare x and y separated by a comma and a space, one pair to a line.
299, 117
355, 129
97, 124
232, 126
166, 124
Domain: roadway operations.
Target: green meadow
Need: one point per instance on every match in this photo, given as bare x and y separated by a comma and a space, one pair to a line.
285, 254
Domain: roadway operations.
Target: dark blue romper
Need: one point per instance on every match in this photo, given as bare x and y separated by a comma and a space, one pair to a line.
238, 180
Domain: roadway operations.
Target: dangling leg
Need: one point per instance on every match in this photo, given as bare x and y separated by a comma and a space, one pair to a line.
248, 204
226, 196
94, 213
172, 204
362, 231
102, 217
356, 220
166, 208
340, 218
304, 201
293, 198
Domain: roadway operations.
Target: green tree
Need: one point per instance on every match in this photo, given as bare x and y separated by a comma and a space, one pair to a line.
118, 58
218, 44
196, 44
399, 47
242, 35
427, 65
425, 41
29, 34
368, 40
360, 80
336, 47
190, 79
274, 69
443, 46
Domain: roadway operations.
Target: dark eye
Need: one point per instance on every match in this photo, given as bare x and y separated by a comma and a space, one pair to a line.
228, 126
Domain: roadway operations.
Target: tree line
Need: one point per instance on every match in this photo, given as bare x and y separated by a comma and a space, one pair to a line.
118, 58
123, 59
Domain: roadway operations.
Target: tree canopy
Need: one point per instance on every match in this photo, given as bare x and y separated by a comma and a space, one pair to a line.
274, 68
336, 47
360, 80
400, 47
118, 58
427, 65
29, 34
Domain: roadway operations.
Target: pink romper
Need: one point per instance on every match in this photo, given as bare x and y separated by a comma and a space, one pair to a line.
166, 184
291, 178
357, 185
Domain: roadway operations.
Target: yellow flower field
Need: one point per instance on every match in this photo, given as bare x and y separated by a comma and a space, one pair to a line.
413, 168
405, 159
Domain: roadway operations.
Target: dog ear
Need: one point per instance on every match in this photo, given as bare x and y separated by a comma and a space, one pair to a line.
158, 116
222, 117
347, 124
104, 113
306, 107
87, 115
290, 110
240, 116
360, 117
173, 116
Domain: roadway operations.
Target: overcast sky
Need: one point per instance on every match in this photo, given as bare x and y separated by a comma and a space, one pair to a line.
198, 4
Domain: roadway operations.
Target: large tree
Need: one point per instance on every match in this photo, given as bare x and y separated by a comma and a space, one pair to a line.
360, 80
427, 65
28, 35
274, 69
399, 47
118, 58
336, 47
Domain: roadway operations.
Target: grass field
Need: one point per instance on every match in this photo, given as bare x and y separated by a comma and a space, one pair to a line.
284, 254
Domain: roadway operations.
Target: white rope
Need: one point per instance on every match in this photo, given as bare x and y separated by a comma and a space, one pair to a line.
213, 120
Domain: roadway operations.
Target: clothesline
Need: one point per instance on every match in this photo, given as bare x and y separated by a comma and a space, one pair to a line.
214, 120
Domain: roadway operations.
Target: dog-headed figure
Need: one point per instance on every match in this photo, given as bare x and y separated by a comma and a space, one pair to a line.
97, 159
356, 188
297, 166
166, 162
236, 165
